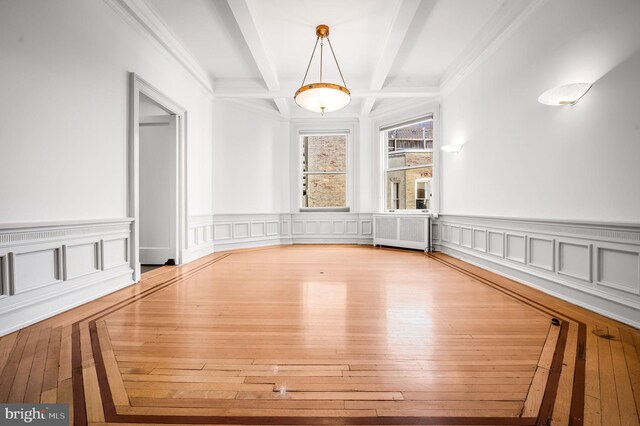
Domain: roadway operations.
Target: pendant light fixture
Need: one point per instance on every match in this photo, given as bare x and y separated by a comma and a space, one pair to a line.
322, 97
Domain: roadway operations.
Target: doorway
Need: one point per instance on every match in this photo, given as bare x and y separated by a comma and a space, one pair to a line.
157, 201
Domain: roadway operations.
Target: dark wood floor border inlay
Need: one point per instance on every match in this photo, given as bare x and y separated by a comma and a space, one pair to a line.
111, 415
551, 390
576, 416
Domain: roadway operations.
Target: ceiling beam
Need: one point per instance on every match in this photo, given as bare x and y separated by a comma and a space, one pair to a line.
242, 14
401, 22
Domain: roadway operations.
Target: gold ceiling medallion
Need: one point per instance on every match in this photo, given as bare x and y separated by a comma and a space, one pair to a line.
322, 97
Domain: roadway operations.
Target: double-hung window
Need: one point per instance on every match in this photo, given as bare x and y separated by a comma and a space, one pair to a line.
409, 165
324, 171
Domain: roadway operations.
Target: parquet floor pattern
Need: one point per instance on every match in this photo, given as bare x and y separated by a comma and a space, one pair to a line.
327, 335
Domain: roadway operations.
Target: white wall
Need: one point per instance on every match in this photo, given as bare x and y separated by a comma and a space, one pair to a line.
250, 160
147, 108
63, 114
524, 159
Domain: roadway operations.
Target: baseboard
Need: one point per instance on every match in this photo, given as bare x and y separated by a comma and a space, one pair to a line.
189, 255
17, 317
235, 245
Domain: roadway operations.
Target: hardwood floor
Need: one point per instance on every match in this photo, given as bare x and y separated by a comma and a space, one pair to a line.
327, 335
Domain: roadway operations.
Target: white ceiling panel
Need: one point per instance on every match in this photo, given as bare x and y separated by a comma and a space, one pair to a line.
440, 32
209, 31
358, 30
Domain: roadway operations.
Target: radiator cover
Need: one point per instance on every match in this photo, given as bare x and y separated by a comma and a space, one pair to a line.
402, 230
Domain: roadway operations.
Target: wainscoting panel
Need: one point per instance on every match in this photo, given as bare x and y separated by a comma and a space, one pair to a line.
331, 228
256, 230
81, 259
593, 265
241, 230
619, 269
311, 227
272, 228
574, 260
115, 252
297, 227
541, 253
325, 227
495, 244
366, 227
455, 234
201, 232
248, 230
516, 247
465, 236
51, 267
480, 239
34, 269
222, 231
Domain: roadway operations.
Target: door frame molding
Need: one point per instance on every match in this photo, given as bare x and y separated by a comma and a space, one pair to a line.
137, 86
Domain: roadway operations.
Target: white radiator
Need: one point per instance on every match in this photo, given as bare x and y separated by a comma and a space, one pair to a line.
402, 230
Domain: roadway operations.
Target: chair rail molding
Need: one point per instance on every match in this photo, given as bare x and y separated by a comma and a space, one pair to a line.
50, 267
590, 264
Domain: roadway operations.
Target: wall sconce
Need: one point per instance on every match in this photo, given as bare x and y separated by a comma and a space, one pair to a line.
452, 147
568, 94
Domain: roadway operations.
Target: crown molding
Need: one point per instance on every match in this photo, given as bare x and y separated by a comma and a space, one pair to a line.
495, 32
142, 17
259, 109
406, 107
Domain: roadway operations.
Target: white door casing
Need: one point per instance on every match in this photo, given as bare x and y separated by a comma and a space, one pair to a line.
138, 86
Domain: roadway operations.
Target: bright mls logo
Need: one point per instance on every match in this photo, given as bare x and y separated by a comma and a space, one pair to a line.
35, 414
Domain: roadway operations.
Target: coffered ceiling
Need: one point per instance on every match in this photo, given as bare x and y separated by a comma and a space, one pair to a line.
256, 51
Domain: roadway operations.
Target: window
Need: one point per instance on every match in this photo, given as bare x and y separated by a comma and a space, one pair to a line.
324, 171
409, 165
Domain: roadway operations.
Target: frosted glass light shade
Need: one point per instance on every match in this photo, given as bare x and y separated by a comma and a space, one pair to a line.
322, 97
452, 147
568, 94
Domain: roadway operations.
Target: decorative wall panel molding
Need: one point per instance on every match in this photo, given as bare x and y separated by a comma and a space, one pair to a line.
233, 231
593, 265
200, 236
47, 268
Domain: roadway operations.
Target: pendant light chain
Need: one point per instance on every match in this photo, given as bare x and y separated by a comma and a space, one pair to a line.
310, 60
336, 60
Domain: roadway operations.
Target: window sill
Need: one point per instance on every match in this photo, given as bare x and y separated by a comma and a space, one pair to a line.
405, 211
324, 210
